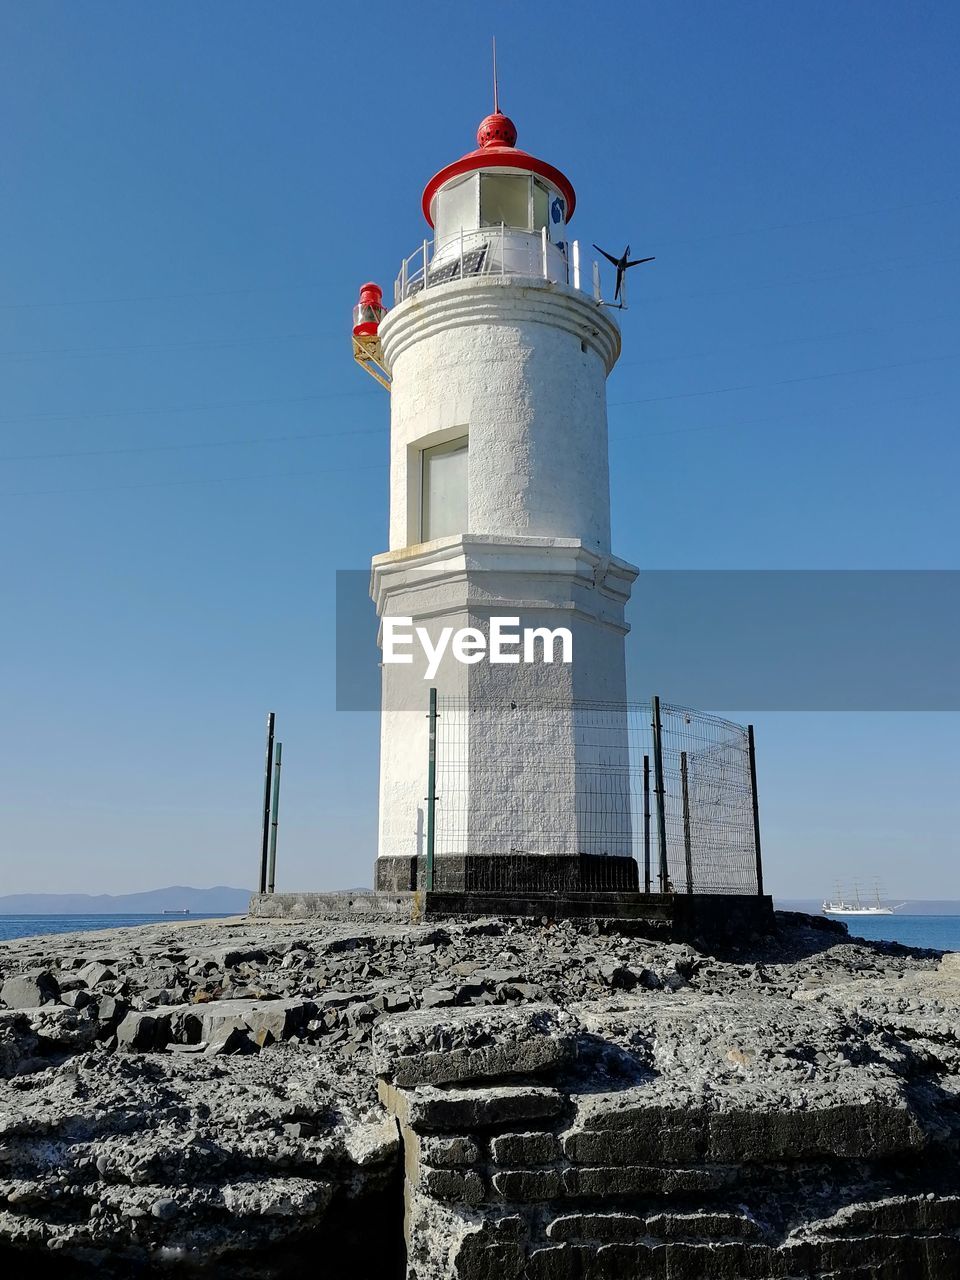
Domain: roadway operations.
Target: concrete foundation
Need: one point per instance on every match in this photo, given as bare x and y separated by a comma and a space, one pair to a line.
711, 917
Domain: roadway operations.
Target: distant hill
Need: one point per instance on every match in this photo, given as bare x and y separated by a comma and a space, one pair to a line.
219, 899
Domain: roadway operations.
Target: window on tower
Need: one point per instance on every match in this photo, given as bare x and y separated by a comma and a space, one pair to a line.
443, 490
457, 209
505, 198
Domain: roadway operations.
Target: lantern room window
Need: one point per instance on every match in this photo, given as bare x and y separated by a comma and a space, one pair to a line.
505, 198
457, 209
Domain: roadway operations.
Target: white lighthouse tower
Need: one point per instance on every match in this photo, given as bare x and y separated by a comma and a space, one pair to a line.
496, 352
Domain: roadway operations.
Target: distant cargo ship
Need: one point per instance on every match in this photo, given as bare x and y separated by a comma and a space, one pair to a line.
176, 911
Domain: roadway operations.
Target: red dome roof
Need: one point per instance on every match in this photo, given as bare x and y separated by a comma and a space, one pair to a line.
497, 137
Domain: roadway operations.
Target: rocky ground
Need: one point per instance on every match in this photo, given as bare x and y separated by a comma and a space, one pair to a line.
243, 1097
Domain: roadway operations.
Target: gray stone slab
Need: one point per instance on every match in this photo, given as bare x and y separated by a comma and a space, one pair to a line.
473, 1044
452, 1110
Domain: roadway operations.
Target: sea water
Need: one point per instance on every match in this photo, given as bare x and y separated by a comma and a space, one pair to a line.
941, 932
29, 926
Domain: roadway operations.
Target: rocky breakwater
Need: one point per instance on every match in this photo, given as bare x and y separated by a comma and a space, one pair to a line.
485, 1099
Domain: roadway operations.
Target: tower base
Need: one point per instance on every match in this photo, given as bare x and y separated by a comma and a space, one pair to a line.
514, 873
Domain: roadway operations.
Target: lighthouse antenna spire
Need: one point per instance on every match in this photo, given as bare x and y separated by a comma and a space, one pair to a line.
496, 91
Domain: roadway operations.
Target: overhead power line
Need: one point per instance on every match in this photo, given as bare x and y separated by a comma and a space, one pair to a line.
205, 344
84, 415
122, 299
191, 444
174, 484
783, 382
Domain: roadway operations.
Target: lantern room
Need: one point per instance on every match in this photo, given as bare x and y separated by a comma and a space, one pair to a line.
500, 208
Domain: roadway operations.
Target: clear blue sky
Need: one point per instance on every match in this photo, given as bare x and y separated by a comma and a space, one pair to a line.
190, 195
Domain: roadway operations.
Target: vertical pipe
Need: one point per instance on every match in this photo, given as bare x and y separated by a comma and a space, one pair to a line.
687, 851
646, 824
658, 791
543, 252
265, 839
461, 250
426, 259
272, 868
596, 282
403, 280
503, 248
576, 264
752, 751
431, 791
623, 291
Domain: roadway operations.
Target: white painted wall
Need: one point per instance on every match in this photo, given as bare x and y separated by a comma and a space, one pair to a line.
460, 582
521, 365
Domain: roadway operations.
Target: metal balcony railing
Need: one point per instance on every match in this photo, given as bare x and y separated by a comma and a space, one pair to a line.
494, 251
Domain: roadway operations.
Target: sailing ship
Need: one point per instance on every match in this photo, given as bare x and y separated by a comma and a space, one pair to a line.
858, 908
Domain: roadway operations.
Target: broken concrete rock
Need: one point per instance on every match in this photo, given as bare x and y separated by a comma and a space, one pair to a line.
30, 990
790, 1111
470, 1044
92, 974
144, 1031
270, 1020
451, 1110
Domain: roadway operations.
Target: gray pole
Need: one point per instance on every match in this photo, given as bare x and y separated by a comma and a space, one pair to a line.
646, 824
752, 752
687, 852
431, 791
265, 840
658, 790
272, 874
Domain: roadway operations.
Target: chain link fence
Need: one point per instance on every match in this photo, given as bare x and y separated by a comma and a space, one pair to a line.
668, 787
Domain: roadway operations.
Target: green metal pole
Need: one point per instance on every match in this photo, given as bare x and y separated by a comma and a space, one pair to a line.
646, 824
431, 791
272, 871
265, 833
658, 790
687, 851
752, 752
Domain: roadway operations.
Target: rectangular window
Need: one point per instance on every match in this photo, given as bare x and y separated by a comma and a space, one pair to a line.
456, 209
443, 490
505, 198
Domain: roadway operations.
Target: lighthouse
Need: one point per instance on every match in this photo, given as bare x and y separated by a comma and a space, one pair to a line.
496, 351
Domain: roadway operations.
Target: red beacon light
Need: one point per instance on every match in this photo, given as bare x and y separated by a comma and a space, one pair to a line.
367, 315
368, 312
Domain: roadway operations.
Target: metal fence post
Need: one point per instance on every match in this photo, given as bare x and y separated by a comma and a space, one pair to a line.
431, 791
752, 751
272, 875
687, 851
265, 838
658, 789
646, 824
